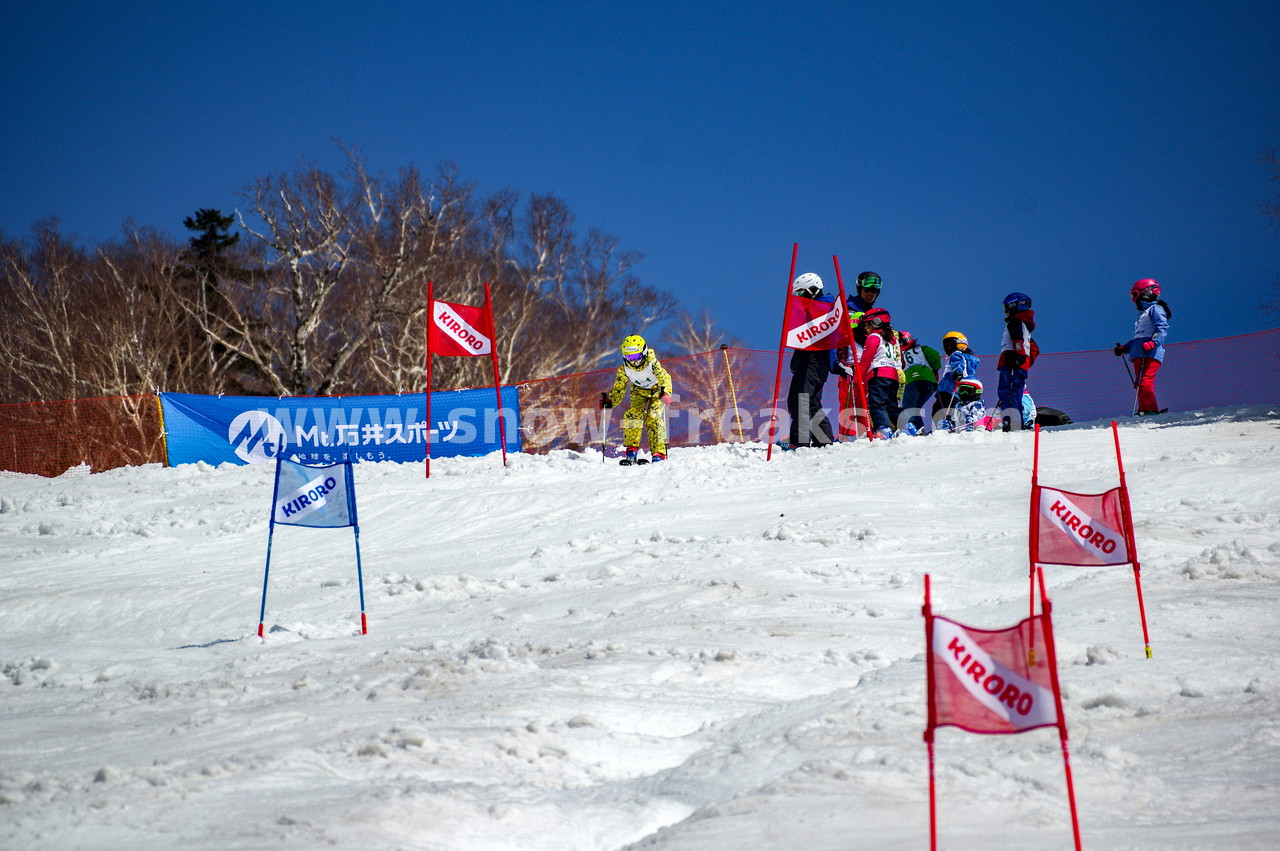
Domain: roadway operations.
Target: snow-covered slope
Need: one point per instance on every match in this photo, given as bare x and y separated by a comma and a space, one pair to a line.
715, 653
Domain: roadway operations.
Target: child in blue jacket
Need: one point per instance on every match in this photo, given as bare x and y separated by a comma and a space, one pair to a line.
961, 364
1146, 349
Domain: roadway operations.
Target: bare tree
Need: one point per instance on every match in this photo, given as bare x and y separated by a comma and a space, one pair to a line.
83, 323
707, 384
571, 300
142, 340
693, 335
42, 296
326, 295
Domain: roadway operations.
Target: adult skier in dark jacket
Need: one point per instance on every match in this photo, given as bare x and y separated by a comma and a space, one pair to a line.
809, 371
866, 293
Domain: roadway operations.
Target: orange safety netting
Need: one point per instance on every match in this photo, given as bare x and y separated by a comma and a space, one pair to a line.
719, 396
81, 435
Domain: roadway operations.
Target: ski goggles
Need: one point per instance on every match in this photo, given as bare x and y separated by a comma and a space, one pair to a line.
874, 322
869, 284
633, 356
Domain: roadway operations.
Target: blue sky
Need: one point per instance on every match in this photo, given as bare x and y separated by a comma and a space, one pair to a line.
961, 150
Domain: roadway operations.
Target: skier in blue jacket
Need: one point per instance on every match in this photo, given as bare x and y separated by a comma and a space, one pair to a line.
961, 364
1146, 349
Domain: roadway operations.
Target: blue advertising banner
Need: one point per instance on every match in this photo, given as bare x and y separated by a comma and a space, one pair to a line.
323, 429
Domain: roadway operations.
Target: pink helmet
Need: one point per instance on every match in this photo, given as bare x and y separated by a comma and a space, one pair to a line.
1145, 290
876, 317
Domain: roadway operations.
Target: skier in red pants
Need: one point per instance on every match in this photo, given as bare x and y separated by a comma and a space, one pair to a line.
1146, 349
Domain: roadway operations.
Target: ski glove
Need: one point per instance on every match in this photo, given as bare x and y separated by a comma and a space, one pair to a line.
1149, 346
666, 398
1120, 349
845, 369
605, 401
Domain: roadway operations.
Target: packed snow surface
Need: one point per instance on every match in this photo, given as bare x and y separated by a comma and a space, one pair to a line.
719, 652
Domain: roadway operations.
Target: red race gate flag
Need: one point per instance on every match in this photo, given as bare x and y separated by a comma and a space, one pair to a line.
1083, 529
460, 330
814, 325
984, 680
991, 681
811, 325
1080, 529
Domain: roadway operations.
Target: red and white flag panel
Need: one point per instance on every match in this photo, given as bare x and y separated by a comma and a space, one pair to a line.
1080, 529
460, 330
817, 325
984, 680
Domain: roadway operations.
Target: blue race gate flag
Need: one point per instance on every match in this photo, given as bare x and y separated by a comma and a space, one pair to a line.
322, 497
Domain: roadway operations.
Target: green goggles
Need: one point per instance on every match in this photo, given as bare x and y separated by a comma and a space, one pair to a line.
869, 284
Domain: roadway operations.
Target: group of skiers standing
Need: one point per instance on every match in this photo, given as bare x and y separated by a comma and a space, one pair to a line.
887, 376
890, 375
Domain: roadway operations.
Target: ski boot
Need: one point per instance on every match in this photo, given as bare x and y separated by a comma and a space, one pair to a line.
628, 459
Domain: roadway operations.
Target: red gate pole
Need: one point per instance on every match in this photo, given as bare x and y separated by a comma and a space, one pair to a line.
497, 385
859, 388
933, 714
1033, 539
1033, 531
427, 433
1052, 660
1131, 540
782, 340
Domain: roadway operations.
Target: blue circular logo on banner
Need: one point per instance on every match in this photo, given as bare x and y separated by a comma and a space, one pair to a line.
256, 436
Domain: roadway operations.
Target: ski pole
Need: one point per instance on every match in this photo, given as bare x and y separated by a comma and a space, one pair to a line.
1137, 388
605, 420
951, 403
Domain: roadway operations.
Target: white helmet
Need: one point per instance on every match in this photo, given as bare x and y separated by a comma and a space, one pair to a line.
807, 284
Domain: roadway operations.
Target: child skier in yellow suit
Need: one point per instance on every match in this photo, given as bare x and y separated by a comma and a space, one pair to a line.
650, 393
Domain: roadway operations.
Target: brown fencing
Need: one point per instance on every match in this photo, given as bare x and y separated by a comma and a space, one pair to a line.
81, 435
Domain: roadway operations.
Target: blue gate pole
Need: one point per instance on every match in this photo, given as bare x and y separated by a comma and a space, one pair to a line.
271, 531
355, 525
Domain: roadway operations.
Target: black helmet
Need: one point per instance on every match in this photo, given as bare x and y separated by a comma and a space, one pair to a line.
869, 281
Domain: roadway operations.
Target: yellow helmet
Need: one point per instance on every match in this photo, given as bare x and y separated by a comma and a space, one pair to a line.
633, 348
962, 342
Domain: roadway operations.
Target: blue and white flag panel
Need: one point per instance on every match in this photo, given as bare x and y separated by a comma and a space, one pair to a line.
322, 497
320, 429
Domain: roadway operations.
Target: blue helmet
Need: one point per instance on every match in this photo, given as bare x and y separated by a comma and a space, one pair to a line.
1014, 302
